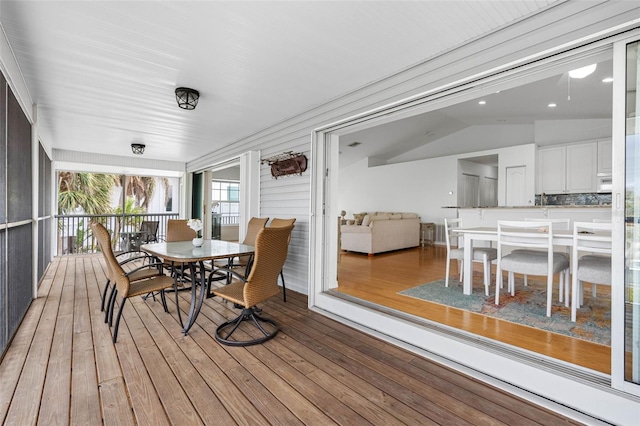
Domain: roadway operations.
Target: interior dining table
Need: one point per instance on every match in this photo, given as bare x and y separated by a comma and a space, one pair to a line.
185, 252
560, 238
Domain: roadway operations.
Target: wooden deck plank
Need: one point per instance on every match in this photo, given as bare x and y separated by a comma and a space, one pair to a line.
342, 377
85, 401
28, 393
145, 403
230, 398
315, 371
114, 399
209, 407
288, 395
237, 387
177, 404
58, 377
387, 380
14, 358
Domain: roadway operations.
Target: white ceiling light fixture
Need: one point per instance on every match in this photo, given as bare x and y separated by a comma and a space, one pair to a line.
583, 72
552, 105
482, 102
607, 80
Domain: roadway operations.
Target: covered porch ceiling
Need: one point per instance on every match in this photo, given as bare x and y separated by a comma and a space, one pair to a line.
102, 74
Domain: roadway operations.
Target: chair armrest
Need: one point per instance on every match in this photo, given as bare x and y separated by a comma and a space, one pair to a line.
231, 272
157, 265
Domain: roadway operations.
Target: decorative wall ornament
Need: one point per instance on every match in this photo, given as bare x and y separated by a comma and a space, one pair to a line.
286, 164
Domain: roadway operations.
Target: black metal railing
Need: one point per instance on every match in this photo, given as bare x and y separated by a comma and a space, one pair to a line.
75, 236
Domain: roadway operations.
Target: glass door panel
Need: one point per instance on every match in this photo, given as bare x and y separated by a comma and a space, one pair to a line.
632, 217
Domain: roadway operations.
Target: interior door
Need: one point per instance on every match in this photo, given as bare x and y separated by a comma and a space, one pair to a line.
516, 186
470, 190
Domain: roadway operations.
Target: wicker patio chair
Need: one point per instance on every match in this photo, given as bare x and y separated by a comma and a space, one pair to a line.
123, 282
261, 284
138, 274
280, 223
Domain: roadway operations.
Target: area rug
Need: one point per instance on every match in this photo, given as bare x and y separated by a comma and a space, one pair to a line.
527, 307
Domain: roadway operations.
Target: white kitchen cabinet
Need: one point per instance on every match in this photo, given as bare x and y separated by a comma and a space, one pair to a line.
604, 158
566, 169
552, 165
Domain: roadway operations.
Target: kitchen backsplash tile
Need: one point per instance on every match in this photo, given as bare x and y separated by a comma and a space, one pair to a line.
588, 199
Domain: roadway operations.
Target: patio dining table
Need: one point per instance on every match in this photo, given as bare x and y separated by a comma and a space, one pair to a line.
186, 252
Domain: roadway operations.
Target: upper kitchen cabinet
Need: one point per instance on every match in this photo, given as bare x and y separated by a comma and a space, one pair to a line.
565, 169
604, 158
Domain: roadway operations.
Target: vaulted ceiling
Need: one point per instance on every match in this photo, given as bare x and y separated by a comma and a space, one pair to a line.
103, 73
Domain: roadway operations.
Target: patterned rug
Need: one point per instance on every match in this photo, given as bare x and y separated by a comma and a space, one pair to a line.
527, 307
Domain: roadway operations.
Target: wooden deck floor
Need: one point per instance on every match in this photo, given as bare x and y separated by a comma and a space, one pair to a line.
62, 368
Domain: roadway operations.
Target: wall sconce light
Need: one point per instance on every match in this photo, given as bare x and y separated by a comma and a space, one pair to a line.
138, 148
187, 98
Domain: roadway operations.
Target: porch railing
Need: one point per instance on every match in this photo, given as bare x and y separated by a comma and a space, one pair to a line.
75, 236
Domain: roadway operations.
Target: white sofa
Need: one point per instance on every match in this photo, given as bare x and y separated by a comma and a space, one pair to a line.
380, 232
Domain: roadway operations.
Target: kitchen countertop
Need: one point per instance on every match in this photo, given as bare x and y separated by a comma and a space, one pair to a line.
540, 207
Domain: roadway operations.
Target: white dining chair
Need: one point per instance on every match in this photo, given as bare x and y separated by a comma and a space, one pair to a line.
557, 225
594, 267
537, 258
480, 254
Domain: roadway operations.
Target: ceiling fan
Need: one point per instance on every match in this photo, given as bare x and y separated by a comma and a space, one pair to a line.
577, 73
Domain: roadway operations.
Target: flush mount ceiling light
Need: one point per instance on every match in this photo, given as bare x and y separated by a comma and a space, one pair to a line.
583, 72
187, 98
137, 148
354, 144
607, 80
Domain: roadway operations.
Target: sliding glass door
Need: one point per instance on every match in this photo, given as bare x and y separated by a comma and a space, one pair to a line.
632, 216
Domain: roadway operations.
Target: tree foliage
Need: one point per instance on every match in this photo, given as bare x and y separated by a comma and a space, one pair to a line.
90, 192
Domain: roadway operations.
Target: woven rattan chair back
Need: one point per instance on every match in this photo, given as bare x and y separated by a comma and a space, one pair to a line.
116, 273
271, 252
281, 223
178, 230
255, 225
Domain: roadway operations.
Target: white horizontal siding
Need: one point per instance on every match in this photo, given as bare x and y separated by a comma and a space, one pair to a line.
133, 163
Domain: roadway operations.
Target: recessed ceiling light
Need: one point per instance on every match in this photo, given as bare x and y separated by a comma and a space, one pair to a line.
607, 80
354, 144
482, 102
552, 105
583, 72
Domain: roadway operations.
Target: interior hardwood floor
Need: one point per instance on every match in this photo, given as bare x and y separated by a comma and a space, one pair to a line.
379, 278
62, 368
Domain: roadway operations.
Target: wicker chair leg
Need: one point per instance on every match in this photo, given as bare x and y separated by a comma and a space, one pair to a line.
113, 307
164, 301
115, 329
284, 288
104, 296
109, 305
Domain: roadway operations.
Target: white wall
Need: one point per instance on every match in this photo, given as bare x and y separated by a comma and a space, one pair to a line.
472, 138
548, 132
423, 186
